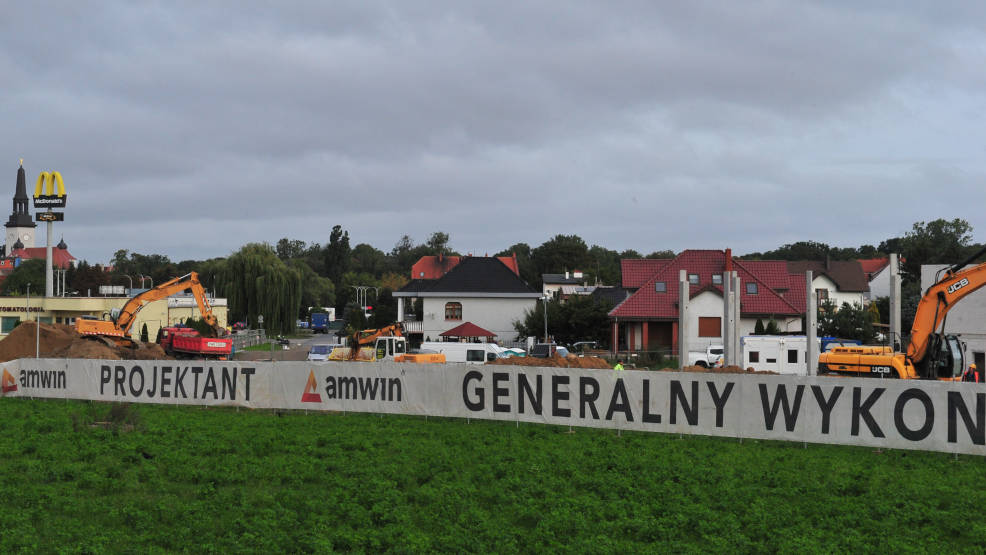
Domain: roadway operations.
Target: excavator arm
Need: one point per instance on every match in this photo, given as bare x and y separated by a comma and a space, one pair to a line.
953, 286
120, 327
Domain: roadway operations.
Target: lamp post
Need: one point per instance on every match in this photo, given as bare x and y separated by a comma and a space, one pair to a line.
131, 283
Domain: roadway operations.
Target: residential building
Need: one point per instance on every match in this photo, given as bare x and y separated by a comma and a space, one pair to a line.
839, 281
648, 318
434, 267
561, 286
483, 290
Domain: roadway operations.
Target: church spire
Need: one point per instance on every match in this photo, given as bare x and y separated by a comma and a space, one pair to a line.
20, 216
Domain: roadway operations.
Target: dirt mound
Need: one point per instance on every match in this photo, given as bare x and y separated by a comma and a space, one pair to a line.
62, 341
719, 370
556, 361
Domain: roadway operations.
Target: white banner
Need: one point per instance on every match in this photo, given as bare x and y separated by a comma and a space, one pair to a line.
935, 416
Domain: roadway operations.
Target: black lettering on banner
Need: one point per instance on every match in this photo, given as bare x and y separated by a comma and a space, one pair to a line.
498, 392
525, 390
479, 404
166, 382
136, 391
368, 388
119, 376
690, 410
347, 387
229, 383
330, 387
196, 370
929, 414
826, 405
720, 400
862, 410
247, 373
648, 417
105, 375
588, 398
394, 386
180, 384
977, 429
623, 405
557, 396
210, 385
153, 390
791, 411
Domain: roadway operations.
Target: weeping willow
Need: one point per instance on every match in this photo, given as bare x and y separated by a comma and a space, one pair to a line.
256, 282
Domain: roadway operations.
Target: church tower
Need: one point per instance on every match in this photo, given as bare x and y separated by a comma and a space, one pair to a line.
20, 227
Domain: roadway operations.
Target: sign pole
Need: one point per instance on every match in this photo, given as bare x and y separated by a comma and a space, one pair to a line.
49, 275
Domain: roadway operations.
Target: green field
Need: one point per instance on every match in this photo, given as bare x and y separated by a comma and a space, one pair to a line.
156, 478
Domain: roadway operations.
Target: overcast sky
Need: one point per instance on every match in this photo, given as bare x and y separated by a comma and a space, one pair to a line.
191, 128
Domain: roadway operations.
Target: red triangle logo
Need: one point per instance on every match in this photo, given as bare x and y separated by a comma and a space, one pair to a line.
8, 384
311, 394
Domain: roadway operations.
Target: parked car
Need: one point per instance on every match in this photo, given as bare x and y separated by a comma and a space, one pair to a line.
545, 350
320, 352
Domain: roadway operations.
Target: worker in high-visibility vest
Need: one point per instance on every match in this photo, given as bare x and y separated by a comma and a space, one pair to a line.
619, 365
971, 374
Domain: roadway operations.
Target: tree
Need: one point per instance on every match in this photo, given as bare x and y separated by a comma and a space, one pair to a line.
368, 259
605, 265
936, 242
315, 289
560, 253
288, 249
438, 242
86, 279
29, 271
850, 321
143, 333
580, 318
256, 282
660, 255
336, 255
758, 328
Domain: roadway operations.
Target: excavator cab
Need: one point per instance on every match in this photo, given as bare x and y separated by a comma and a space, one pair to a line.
945, 360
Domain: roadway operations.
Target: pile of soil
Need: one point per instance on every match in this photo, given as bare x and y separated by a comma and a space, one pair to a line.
62, 341
719, 370
556, 361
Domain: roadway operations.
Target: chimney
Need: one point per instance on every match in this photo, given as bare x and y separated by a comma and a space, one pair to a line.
729, 260
827, 262
439, 257
566, 274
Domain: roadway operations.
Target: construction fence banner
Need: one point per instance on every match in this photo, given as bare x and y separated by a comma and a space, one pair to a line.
932, 416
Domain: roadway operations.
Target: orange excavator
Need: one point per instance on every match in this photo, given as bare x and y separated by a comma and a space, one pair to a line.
386, 342
930, 355
116, 331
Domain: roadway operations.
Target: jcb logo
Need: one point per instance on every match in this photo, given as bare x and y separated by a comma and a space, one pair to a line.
957, 285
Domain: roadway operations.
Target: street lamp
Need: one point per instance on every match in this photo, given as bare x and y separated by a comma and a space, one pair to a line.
131, 283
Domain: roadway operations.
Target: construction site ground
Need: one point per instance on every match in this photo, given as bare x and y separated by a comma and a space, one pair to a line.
62, 341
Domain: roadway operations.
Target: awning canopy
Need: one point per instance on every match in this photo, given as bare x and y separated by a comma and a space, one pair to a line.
468, 329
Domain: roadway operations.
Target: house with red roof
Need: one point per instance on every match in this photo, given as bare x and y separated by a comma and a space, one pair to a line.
648, 318
434, 267
877, 272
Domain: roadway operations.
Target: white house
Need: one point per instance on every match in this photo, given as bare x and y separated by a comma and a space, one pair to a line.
481, 290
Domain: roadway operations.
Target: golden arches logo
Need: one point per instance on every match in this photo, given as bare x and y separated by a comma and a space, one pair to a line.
51, 180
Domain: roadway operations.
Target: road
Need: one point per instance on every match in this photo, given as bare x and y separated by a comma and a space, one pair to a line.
298, 350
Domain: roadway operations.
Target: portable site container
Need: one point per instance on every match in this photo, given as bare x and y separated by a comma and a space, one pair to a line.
784, 354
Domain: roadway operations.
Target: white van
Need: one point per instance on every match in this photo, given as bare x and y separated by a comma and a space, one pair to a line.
470, 353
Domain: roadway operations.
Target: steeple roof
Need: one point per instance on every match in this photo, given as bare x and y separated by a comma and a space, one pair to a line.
20, 217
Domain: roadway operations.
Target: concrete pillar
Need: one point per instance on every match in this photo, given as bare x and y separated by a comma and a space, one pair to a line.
400, 309
683, 294
737, 316
727, 320
615, 337
895, 301
811, 325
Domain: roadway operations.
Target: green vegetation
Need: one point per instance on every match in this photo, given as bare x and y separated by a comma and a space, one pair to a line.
107, 478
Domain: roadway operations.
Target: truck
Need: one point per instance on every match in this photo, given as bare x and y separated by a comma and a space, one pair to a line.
184, 343
931, 354
784, 354
320, 322
469, 353
709, 358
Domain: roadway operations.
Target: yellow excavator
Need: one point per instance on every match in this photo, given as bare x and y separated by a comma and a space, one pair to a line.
386, 343
930, 355
116, 331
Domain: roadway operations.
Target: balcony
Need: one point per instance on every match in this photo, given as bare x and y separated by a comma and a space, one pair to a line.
412, 326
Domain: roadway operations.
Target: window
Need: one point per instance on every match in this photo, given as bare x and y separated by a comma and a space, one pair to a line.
822, 294
771, 361
44, 319
751, 288
474, 355
7, 323
792, 356
693, 279
453, 311
716, 279
709, 326
660, 286
754, 356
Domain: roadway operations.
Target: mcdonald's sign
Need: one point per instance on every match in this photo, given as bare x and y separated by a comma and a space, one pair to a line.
45, 193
